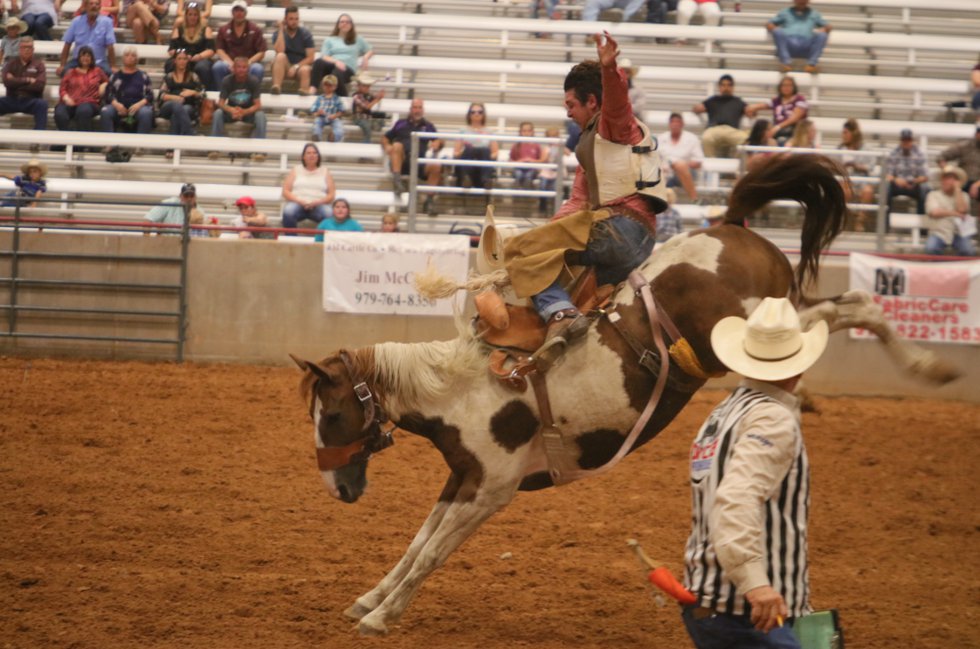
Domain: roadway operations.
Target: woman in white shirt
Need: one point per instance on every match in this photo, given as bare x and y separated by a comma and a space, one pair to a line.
308, 189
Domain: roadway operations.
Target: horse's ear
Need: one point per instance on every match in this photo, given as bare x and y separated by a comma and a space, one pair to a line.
303, 365
319, 371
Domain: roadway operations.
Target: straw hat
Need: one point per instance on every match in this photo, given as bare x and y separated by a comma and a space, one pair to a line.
953, 170
36, 164
769, 345
364, 78
14, 21
627, 65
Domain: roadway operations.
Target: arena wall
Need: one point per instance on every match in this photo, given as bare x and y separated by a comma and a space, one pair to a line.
257, 301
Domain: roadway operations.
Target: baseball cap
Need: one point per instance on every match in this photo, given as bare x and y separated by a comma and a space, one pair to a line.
188, 188
239, 4
245, 201
906, 134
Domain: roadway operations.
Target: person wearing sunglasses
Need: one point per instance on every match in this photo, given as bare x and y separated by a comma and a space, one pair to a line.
476, 148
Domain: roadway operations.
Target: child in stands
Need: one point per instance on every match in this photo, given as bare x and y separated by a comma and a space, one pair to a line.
327, 110
363, 104
30, 184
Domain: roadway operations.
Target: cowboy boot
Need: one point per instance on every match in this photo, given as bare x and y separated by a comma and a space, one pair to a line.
564, 327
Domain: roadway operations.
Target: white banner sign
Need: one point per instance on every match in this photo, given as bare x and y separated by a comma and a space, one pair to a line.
930, 301
375, 273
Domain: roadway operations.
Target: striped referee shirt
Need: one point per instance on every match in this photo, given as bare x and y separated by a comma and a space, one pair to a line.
750, 499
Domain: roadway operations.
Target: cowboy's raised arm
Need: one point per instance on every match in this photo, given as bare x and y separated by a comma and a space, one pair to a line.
616, 122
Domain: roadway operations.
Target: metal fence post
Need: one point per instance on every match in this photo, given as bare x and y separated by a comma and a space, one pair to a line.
413, 181
883, 206
185, 238
14, 269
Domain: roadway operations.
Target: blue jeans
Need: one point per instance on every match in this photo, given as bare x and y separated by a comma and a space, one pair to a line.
722, 631
616, 246
549, 7
804, 47
336, 125
593, 8
32, 106
525, 177
83, 114
180, 118
258, 118
39, 26
961, 246
657, 10
220, 70
293, 213
144, 119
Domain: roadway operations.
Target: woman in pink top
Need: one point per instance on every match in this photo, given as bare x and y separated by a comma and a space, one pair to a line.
80, 94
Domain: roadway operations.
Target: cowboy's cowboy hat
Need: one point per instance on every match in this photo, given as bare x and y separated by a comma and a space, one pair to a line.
27, 166
14, 21
769, 345
364, 78
953, 170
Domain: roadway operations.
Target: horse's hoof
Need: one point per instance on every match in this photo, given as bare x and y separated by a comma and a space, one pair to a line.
357, 611
372, 626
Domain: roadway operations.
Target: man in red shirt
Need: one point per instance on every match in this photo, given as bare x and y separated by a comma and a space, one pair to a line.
239, 37
609, 221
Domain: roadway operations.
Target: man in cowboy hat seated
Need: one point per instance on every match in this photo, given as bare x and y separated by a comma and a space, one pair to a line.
610, 219
750, 487
948, 209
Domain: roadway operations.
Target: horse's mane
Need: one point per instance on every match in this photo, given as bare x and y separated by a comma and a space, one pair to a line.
411, 374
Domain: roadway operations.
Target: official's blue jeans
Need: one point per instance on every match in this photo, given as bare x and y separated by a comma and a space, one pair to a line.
722, 631
221, 69
293, 213
961, 246
336, 125
804, 47
257, 118
593, 8
144, 119
616, 246
39, 26
36, 107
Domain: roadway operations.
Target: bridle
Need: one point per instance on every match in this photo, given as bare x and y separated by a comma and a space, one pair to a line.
373, 440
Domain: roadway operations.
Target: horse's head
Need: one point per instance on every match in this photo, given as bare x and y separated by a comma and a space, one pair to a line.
347, 420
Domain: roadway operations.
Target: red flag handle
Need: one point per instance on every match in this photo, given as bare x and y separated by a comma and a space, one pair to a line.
664, 579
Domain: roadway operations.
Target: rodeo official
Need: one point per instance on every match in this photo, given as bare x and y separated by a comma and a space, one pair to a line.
610, 219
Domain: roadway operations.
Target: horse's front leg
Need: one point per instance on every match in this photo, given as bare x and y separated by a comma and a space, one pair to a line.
371, 599
462, 517
858, 309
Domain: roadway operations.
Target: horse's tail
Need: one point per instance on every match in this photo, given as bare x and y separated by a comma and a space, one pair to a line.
431, 284
808, 179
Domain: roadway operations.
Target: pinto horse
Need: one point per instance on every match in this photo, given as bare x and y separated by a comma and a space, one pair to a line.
489, 434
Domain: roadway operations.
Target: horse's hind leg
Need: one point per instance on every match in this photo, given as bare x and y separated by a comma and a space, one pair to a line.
461, 519
856, 309
371, 599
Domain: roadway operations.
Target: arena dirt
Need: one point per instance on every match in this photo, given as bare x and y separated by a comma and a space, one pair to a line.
160, 505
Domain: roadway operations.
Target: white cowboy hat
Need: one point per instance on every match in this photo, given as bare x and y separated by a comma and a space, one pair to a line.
627, 65
14, 21
34, 163
364, 78
953, 170
769, 345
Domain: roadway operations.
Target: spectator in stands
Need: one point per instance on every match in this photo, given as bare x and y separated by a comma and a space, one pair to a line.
799, 31
327, 111
128, 97
851, 139
248, 217
341, 221
339, 55
171, 211
40, 16
204, 8
94, 30
80, 94
967, 154
180, 97
24, 78
637, 97
804, 135
593, 8
725, 112
788, 107
397, 144
308, 189
549, 12
294, 53
389, 223
239, 38
657, 13
906, 172
143, 18
14, 28
240, 100
760, 135
476, 149
709, 10
555, 154
669, 221
948, 209
363, 104
196, 38
526, 152
30, 184
681, 154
